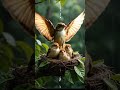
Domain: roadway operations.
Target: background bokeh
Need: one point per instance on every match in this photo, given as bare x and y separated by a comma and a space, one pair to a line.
102, 39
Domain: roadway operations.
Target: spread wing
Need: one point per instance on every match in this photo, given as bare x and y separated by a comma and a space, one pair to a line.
93, 10
74, 26
44, 26
23, 12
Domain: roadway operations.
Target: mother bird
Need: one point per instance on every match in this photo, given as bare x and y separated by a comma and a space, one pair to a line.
62, 33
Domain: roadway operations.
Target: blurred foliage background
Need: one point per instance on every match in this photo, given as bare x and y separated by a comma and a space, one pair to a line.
16, 47
102, 39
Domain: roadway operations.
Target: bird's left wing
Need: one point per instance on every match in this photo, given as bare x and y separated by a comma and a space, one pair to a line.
74, 26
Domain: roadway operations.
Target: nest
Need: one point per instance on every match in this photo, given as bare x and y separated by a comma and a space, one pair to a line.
95, 80
56, 67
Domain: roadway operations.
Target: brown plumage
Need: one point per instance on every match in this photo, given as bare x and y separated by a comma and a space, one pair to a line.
63, 56
69, 49
62, 33
53, 51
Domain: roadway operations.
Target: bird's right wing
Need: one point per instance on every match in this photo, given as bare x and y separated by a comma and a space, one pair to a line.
93, 10
73, 27
44, 26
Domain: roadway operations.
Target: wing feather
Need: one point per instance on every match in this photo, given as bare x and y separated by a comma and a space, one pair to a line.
44, 26
74, 26
93, 10
23, 12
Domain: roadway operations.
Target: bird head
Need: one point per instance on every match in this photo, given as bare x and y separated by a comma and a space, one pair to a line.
60, 26
67, 47
55, 45
62, 52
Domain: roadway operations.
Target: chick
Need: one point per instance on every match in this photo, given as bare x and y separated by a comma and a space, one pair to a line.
69, 49
63, 56
53, 51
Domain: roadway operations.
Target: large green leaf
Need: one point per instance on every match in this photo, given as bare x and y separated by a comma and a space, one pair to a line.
80, 70
9, 38
26, 48
68, 76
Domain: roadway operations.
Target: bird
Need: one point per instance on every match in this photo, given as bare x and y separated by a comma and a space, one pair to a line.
53, 51
69, 49
62, 33
63, 56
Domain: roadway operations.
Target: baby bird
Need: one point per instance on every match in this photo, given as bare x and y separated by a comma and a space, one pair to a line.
69, 49
63, 56
53, 51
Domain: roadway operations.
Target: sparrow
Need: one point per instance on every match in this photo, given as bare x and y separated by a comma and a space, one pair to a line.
61, 33
69, 49
63, 56
53, 51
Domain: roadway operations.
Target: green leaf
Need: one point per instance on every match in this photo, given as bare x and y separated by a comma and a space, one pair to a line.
42, 81
116, 77
45, 46
83, 59
78, 71
6, 57
1, 26
37, 84
26, 48
68, 76
81, 63
110, 84
38, 42
37, 51
62, 2
9, 38
44, 64
80, 79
